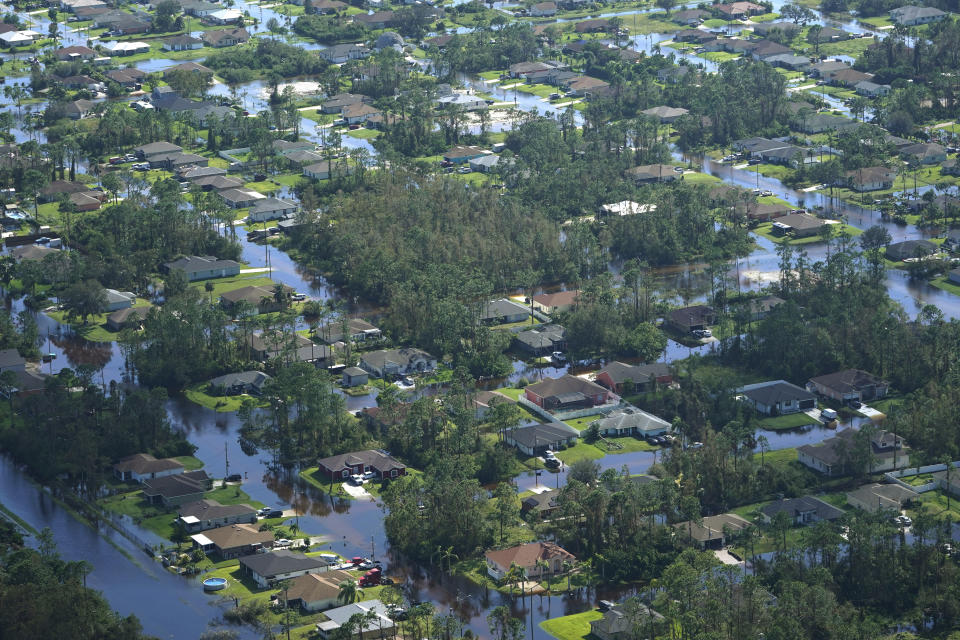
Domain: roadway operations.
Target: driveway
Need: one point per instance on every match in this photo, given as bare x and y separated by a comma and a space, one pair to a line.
356, 492
726, 557
871, 413
815, 414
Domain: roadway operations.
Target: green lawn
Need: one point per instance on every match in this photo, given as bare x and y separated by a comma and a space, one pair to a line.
223, 285
700, 178
778, 457
511, 392
366, 134
719, 56
885, 405
584, 451
95, 329
766, 230
572, 627
935, 503
946, 285
789, 421
197, 393
853, 47
189, 462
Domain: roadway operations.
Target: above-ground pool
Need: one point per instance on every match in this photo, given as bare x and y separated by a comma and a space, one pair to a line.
214, 584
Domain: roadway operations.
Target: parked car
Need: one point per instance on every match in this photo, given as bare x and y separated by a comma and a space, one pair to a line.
605, 605
552, 463
398, 613
282, 542
558, 356
854, 404
234, 477
695, 445
275, 513
357, 479
828, 414
678, 169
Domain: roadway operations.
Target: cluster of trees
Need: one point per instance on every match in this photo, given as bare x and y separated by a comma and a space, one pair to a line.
242, 64
486, 48
45, 596
330, 29
76, 436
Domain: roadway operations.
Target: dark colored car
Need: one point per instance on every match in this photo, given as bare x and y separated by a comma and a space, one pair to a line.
275, 513
552, 463
605, 605
234, 477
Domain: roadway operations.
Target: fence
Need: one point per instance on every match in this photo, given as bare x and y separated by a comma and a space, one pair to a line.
908, 472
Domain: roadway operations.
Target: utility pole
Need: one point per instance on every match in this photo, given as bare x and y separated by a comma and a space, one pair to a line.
226, 459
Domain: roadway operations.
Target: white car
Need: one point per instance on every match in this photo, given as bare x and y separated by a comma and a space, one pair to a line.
357, 479
282, 542
828, 414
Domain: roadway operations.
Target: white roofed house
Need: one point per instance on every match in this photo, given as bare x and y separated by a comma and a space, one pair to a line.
379, 625
271, 209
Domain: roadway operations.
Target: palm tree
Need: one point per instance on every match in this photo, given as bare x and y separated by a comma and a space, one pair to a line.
541, 565
349, 592
568, 569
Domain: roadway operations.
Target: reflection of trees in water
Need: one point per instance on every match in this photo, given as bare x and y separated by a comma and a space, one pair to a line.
80, 351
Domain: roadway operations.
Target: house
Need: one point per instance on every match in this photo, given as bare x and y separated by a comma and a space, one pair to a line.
359, 113
262, 298
324, 7
766, 49
268, 568
142, 466
665, 114
119, 299
788, 61
597, 25
78, 109
127, 48
900, 251
566, 392
950, 167
31, 252
871, 89
536, 439
788, 154
11, 360
832, 457
465, 101
271, 208
24, 37
296, 348
358, 462
642, 377
130, 317
585, 86
341, 100
241, 198
760, 308
673, 74
881, 497
616, 624
850, 384
234, 384
711, 532
543, 9
912, 16
541, 339
148, 151
233, 540
356, 330
461, 153
690, 16
630, 421
217, 184
483, 401
954, 276
128, 78
695, 36
67, 54
870, 179
649, 173
225, 37
825, 68
690, 319
85, 201
397, 362
526, 557
316, 591
224, 16
738, 10
209, 514
777, 397
354, 377
559, 302
789, 29
924, 153
322, 170
376, 624
521, 69
182, 43
799, 225
174, 490
801, 511
541, 504
340, 53
503, 311
376, 20
484, 164
849, 77
203, 267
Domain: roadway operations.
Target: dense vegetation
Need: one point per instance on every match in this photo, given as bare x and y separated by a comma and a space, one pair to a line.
242, 64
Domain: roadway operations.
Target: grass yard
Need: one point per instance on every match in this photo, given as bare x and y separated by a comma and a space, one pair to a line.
935, 503
363, 133
789, 421
700, 178
719, 56
223, 285
189, 462
197, 394
854, 47
778, 457
511, 392
572, 627
918, 481
96, 328
766, 230
584, 451
885, 405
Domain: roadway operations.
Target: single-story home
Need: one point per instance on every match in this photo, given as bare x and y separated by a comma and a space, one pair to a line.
870, 178
233, 540
354, 377
649, 173
132, 317
799, 225
357, 330
924, 153
462, 153
172, 491
203, 267
535, 439
760, 308
900, 251
347, 464
850, 384
912, 15
210, 514
642, 376
617, 624
881, 497
566, 392
119, 299
233, 384
483, 401
541, 339
526, 557
693, 318
831, 457
541, 504
268, 568
316, 591
503, 311
261, 298
778, 397
271, 208
665, 114
710, 531
801, 511
558, 302
397, 362
379, 625
630, 421
143, 466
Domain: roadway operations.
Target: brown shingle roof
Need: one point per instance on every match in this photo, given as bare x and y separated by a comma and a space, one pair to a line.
526, 555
